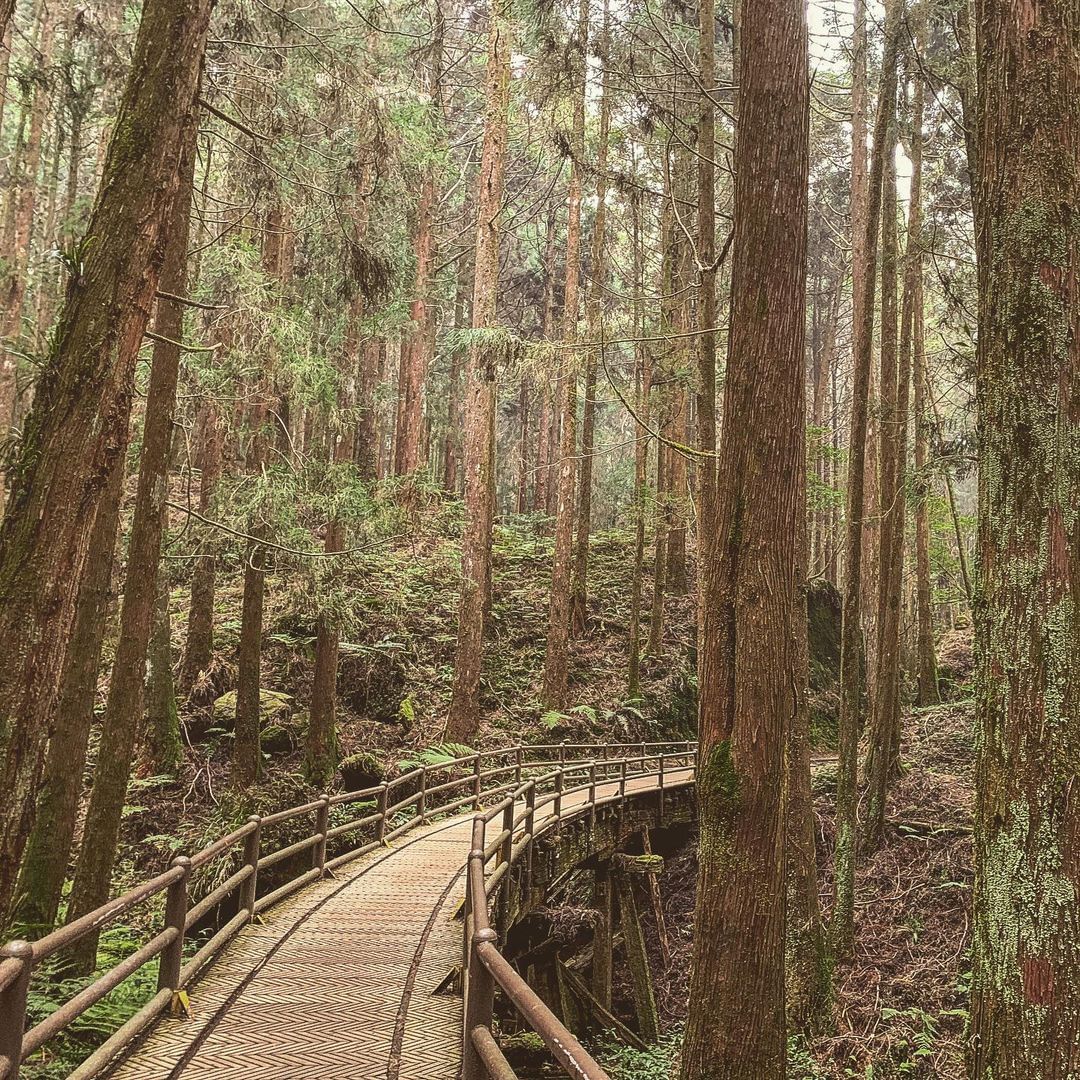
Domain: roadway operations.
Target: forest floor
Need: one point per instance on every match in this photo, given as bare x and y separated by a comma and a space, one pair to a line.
395, 675
902, 1003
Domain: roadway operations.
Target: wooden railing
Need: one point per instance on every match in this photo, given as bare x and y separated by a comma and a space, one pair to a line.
486, 969
461, 782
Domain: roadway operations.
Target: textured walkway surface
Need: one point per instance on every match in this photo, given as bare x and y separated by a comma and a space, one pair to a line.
341, 981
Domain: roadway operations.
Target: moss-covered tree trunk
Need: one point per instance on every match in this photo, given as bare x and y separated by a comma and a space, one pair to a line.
1026, 948
162, 716
479, 442
78, 425
754, 659
124, 704
45, 861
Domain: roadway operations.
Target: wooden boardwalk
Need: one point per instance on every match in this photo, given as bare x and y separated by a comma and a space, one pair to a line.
343, 981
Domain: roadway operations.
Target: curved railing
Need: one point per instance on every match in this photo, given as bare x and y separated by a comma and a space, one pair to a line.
458, 783
485, 967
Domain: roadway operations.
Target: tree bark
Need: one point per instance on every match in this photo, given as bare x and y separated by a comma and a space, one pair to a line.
247, 734
45, 861
885, 738
464, 719
594, 322
199, 645
24, 201
842, 926
415, 353
1026, 949
754, 670
162, 716
124, 704
556, 658
928, 693
522, 501
546, 433
78, 424
886, 685
642, 375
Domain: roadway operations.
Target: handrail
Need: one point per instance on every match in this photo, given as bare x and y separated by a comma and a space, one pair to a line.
486, 969
18, 959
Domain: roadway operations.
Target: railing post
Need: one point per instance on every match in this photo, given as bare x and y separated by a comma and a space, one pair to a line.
479, 1004
476, 782
660, 798
519, 756
322, 825
622, 780
479, 836
506, 852
13, 1004
251, 858
562, 753
380, 827
642, 762
560, 780
176, 904
423, 793
592, 794
529, 825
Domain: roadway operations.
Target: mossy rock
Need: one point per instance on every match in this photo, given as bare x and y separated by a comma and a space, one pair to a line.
273, 707
360, 771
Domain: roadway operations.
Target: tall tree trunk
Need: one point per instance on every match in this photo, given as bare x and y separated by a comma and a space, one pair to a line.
247, 734
162, 716
808, 969
886, 685
367, 428
924, 611
320, 751
824, 361
595, 332
522, 501
452, 467
199, 645
842, 927
414, 352
754, 670
45, 861
885, 736
662, 514
78, 425
24, 199
1026, 949
642, 375
547, 426
464, 718
556, 657
123, 707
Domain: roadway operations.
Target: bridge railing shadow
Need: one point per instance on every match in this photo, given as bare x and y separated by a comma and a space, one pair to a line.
538, 773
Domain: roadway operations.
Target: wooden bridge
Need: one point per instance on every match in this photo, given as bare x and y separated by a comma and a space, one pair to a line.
373, 956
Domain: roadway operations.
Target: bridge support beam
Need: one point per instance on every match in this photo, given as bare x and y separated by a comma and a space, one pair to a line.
638, 961
601, 956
